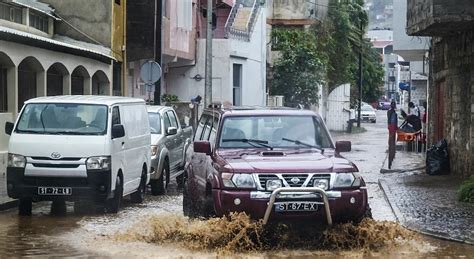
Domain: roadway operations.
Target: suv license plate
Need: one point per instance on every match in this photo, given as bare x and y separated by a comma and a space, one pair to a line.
296, 206
54, 190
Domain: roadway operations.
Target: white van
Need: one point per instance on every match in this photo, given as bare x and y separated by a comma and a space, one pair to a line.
79, 148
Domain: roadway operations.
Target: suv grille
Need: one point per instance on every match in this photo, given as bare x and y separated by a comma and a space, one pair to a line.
292, 180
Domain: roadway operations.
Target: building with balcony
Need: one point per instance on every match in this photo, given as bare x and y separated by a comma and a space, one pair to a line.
52, 47
450, 23
239, 56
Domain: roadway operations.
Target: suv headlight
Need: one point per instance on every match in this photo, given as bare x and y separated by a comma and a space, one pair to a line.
15, 160
238, 180
98, 163
321, 183
344, 180
274, 184
154, 150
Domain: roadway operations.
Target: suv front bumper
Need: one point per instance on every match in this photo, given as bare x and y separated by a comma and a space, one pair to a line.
339, 205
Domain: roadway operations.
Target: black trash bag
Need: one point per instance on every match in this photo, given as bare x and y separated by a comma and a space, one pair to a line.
437, 159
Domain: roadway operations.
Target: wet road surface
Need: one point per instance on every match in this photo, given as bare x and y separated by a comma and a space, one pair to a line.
44, 234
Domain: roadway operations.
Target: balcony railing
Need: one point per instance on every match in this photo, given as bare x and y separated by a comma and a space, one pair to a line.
242, 19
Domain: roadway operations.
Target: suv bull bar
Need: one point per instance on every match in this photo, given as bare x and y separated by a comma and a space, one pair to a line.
298, 189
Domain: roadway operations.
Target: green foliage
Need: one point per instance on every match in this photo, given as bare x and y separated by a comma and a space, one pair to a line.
466, 191
299, 71
167, 98
343, 41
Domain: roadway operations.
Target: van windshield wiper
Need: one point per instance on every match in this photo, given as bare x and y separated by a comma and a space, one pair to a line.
30, 131
253, 142
297, 142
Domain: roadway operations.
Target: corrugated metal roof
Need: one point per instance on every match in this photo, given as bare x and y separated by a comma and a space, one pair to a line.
64, 42
38, 6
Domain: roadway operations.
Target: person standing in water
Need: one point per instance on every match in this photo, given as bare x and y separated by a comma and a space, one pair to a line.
392, 122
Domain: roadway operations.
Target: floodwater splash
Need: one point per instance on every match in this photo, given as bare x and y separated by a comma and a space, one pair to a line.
238, 233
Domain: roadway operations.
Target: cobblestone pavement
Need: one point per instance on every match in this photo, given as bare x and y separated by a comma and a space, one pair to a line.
428, 204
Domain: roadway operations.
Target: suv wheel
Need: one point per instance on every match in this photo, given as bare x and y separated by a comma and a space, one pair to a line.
139, 195
158, 187
188, 208
367, 214
113, 205
24, 207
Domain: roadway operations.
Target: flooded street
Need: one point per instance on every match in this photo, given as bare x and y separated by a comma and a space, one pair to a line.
157, 228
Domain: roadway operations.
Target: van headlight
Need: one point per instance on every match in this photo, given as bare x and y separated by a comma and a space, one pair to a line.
98, 163
344, 180
238, 180
15, 160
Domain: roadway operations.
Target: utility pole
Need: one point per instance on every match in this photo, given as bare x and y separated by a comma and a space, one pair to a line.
208, 79
360, 73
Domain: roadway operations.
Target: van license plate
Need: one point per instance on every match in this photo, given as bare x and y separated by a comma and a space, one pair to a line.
296, 206
54, 190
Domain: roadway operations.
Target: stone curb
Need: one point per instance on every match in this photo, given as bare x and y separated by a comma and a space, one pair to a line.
8, 205
401, 218
383, 170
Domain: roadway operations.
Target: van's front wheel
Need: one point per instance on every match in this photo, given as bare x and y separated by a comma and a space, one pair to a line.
113, 205
139, 195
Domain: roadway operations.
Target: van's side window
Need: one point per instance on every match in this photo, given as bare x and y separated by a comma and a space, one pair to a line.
173, 121
115, 116
202, 121
166, 122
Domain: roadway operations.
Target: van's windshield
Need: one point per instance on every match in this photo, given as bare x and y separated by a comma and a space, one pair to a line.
63, 118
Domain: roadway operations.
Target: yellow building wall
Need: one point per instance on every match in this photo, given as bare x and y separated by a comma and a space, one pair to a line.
119, 24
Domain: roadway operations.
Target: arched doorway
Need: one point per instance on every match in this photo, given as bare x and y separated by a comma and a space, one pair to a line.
30, 80
7, 84
100, 83
80, 80
57, 82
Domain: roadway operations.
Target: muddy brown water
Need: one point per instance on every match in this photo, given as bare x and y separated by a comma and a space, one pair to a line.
162, 231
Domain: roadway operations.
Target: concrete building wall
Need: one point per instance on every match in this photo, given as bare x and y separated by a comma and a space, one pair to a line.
452, 99
16, 53
297, 9
91, 17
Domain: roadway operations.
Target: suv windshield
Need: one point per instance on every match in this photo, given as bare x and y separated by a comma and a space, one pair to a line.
63, 118
275, 131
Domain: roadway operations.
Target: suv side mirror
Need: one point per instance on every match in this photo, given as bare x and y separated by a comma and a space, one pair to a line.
8, 128
202, 147
171, 131
343, 146
118, 131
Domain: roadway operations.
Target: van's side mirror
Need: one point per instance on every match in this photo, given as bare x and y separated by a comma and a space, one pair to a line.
118, 131
202, 147
8, 128
343, 146
171, 131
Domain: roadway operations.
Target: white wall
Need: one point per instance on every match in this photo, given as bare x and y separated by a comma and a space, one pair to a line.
338, 107
252, 55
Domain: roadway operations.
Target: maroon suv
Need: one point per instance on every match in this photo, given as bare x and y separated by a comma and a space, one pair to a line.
273, 164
